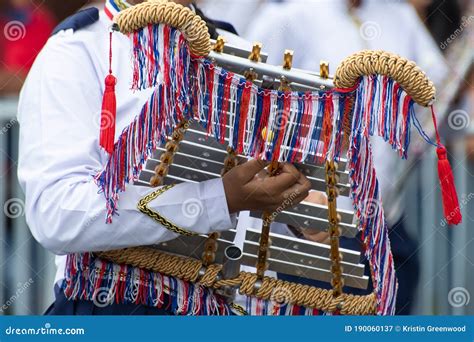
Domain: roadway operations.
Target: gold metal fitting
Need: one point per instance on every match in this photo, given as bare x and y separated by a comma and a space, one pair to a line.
255, 55
288, 59
219, 46
324, 69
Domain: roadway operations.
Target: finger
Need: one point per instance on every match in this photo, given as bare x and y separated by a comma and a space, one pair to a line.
247, 171
286, 177
290, 170
304, 180
279, 183
317, 197
320, 237
303, 185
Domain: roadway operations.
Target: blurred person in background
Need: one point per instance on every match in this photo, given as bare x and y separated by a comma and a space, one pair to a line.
467, 101
441, 17
26, 26
238, 12
333, 30
63, 9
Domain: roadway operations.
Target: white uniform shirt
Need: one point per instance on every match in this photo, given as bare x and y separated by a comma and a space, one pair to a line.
59, 116
324, 30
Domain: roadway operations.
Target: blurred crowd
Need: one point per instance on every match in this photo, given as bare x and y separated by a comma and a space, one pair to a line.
27, 24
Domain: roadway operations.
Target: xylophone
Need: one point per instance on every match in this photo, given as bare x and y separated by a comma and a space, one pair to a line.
213, 107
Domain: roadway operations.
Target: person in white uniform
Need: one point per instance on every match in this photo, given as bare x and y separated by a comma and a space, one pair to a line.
333, 30
59, 116
238, 12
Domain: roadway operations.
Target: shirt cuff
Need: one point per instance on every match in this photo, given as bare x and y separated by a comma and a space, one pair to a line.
214, 199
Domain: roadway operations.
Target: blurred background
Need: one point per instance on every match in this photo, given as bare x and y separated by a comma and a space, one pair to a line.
437, 34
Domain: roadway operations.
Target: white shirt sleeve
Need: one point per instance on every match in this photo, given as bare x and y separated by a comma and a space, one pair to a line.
59, 112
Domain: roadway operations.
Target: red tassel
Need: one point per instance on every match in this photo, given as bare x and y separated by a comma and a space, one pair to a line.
452, 211
109, 109
451, 208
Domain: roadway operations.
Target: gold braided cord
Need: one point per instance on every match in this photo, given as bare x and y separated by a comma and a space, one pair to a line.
169, 13
143, 207
190, 269
406, 73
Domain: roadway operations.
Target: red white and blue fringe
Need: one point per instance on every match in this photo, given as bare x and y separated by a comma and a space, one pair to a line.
266, 124
260, 307
167, 107
104, 283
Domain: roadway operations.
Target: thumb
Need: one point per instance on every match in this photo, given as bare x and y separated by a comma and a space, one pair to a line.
248, 170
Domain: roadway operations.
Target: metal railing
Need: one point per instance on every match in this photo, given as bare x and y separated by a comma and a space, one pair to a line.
26, 269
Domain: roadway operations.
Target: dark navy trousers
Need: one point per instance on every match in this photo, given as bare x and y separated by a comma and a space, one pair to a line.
64, 307
406, 262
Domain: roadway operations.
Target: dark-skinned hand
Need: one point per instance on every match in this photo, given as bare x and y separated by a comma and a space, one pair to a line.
248, 188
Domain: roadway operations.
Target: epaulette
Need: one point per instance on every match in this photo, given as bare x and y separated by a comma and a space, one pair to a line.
78, 20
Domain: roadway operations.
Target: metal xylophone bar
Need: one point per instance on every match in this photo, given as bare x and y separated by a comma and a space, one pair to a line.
287, 255
201, 158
